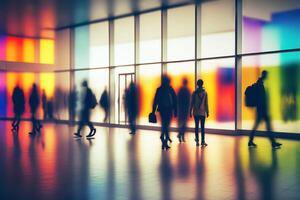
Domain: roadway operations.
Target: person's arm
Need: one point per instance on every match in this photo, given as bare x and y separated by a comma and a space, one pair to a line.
206, 104
192, 105
174, 97
155, 102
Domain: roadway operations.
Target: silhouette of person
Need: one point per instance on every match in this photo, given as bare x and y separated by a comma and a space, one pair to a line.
72, 104
165, 102
85, 111
262, 112
18, 99
183, 96
104, 104
131, 105
34, 102
44, 104
199, 108
50, 109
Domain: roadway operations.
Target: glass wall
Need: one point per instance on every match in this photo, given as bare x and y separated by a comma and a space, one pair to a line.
191, 41
198, 41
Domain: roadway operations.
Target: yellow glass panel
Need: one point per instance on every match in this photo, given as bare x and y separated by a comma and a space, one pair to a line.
46, 51
28, 50
47, 83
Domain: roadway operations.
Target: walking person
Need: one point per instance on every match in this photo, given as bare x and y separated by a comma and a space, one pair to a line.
131, 106
34, 102
184, 97
262, 112
44, 104
18, 99
199, 109
165, 102
104, 104
88, 102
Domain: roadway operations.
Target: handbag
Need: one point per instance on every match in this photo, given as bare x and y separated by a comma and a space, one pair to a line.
152, 118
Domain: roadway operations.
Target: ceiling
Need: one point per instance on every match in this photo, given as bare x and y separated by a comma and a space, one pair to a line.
39, 18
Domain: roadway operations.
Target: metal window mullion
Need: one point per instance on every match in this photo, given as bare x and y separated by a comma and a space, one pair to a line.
197, 39
164, 40
238, 62
111, 85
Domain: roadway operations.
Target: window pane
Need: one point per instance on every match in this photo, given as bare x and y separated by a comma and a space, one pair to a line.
25, 81
98, 82
61, 97
99, 50
120, 85
124, 41
147, 74
3, 103
2, 47
181, 33
219, 83
81, 47
29, 50
79, 77
150, 37
217, 28
177, 73
46, 51
270, 25
282, 86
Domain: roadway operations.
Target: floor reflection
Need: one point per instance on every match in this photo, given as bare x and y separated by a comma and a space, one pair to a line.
116, 165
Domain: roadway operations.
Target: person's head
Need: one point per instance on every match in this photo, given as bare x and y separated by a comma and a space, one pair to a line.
165, 81
84, 83
264, 74
200, 83
185, 82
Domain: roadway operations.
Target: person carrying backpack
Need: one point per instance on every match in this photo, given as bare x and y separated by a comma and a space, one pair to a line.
262, 113
199, 109
165, 102
88, 102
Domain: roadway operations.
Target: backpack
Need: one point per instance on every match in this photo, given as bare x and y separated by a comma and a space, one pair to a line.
92, 99
251, 95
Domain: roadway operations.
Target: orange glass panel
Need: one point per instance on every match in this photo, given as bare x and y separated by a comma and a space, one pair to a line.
46, 51
14, 49
28, 50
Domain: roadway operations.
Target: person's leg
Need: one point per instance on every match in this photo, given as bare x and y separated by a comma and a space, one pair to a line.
183, 130
33, 124
251, 137
13, 124
197, 118
202, 118
168, 121
269, 132
18, 123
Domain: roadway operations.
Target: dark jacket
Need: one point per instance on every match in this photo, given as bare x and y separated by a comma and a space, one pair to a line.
165, 100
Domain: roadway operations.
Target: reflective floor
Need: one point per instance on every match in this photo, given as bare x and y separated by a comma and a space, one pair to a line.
115, 165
